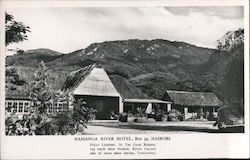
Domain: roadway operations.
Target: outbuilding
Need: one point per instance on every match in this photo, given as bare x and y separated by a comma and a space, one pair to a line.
193, 104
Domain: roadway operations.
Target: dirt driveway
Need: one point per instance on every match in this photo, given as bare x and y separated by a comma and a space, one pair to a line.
95, 128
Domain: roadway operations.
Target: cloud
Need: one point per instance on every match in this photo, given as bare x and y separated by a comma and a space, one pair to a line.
69, 29
230, 12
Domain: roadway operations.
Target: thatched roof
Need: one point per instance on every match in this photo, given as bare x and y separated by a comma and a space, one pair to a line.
126, 89
123, 86
185, 98
76, 77
17, 94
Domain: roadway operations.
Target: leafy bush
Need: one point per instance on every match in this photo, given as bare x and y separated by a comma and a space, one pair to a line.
73, 121
175, 115
123, 117
113, 116
82, 114
44, 125
140, 114
15, 125
64, 124
211, 117
159, 114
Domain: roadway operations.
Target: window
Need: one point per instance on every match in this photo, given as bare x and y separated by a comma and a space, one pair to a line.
65, 106
20, 107
35, 104
14, 107
26, 105
17, 106
60, 108
9, 106
55, 107
49, 108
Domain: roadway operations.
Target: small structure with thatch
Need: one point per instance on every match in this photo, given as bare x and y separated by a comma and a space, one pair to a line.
193, 103
107, 94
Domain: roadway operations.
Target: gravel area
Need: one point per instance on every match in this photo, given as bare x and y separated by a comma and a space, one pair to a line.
96, 128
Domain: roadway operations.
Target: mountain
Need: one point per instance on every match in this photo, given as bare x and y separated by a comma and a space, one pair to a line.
135, 57
151, 65
30, 58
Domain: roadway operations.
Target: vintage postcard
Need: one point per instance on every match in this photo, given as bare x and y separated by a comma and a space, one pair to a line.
124, 79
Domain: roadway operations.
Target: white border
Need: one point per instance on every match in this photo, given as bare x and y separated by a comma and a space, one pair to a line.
181, 146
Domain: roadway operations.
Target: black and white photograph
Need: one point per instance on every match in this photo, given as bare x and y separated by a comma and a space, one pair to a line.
132, 79
124, 70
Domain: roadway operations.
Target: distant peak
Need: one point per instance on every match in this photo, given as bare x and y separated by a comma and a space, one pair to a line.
44, 51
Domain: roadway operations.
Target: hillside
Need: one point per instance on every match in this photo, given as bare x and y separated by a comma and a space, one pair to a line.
131, 58
151, 65
31, 58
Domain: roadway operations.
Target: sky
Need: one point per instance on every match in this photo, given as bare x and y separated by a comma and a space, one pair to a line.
69, 29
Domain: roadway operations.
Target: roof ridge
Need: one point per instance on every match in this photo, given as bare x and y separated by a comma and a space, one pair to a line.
72, 74
75, 71
188, 91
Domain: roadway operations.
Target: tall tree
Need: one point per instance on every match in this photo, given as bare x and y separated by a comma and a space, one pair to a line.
41, 93
14, 32
231, 40
231, 45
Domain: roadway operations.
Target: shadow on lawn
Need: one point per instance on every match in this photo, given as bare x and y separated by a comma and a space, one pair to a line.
164, 128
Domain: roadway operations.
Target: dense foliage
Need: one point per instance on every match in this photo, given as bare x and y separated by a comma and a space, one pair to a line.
74, 121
